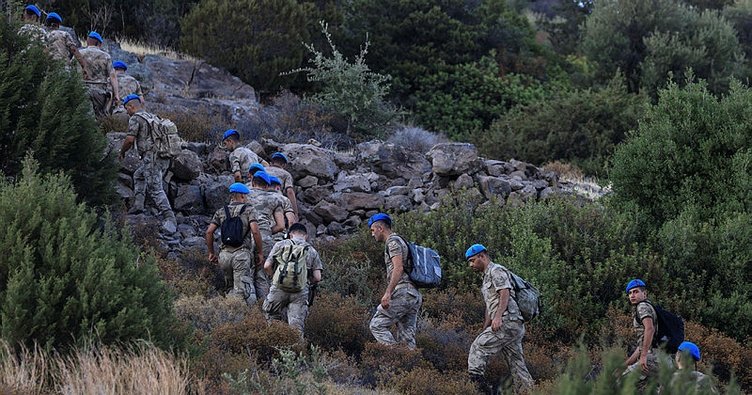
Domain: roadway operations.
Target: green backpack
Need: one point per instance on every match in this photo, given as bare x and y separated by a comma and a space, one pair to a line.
291, 273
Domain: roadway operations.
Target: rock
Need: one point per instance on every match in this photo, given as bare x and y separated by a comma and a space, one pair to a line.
345, 161
546, 193
494, 187
516, 184
540, 185
201, 149
124, 186
218, 161
353, 222
518, 174
454, 159
186, 166
352, 183
398, 203
189, 199
335, 229
464, 181
397, 190
391, 160
215, 191
306, 159
313, 218
256, 147
330, 212
317, 193
320, 230
495, 168
418, 195
307, 181
355, 200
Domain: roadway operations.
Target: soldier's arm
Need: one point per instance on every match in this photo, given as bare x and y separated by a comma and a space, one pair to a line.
393, 281
256, 234
84, 64
290, 192
647, 341
115, 85
127, 145
279, 220
209, 238
503, 303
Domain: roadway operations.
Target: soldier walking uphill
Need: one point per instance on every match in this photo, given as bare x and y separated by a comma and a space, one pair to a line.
687, 379
276, 168
503, 324
294, 266
101, 81
240, 157
235, 255
62, 46
270, 219
127, 85
287, 209
31, 28
147, 179
401, 301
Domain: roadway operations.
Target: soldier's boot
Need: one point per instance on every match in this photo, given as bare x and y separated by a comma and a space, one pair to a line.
482, 385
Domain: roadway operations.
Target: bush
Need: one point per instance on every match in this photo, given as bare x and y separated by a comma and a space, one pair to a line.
431, 381
415, 138
67, 277
209, 314
45, 110
337, 322
355, 267
380, 364
580, 126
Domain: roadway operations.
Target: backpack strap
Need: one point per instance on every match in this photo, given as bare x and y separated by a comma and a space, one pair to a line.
409, 254
227, 212
637, 317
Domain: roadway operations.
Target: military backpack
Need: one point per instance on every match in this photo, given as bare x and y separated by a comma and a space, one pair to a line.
669, 331
291, 273
164, 135
233, 231
527, 297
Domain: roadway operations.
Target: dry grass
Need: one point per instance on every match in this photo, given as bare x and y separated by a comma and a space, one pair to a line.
582, 185
22, 372
142, 49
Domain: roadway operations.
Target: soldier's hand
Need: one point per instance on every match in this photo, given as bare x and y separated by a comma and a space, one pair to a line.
496, 324
213, 258
644, 363
386, 300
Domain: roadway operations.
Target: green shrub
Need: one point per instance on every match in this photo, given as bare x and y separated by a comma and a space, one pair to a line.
337, 322
45, 109
67, 277
355, 267
430, 381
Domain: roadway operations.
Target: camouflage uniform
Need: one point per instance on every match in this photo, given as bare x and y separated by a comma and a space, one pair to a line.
241, 159
34, 32
644, 310
59, 44
236, 262
147, 179
98, 83
265, 205
685, 382
295, 302
126, 86
405, 303
286, 208
508, 339
283, 176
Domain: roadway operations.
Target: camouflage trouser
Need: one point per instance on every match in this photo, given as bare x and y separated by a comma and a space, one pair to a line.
402, 311
236, 266
508, 341
653, 361
101, 99
261, 280
147, 179
296, 304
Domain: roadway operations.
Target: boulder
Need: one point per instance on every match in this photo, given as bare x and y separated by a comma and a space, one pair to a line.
335, 229
330, 212
215, 191
391, 160
352, 183
189, 199
218, 161
464, 181
357, 200
307, 159
397, 190
307, 181
494, 187
454, 159
398, 203
317, 193
186, 166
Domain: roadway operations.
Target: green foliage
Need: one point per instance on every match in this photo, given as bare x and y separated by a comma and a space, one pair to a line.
469, 96
45, 109
255, 40
67, 278
350, 89
739, 14
578, 126
646, 39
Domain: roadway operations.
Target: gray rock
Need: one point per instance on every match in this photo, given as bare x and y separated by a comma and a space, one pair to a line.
494, 187
215, 191
308, 181
398, 203
218, 161
201, 149
496, 168
345, 161
123, 188
193, 242
418, 195
515, 183
355, 200
306, 159
464, 181
397, 190
540, 185
391, 160
320, 230
330, 212
518, 174
335, 229
189, 199
546, 193
352, 183
353, 222
186, 166
317, 193
454, 159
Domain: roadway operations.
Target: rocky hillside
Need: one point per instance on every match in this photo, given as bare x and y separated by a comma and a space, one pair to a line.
336, 190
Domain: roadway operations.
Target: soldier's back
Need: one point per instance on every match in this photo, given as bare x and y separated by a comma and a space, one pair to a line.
128, 85
58, 43
265, 204
99, 62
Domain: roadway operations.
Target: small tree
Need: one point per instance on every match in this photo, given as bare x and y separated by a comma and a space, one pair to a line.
65, 277
350, 89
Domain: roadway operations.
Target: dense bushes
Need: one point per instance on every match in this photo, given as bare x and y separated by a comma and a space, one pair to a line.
67, 278
45, 109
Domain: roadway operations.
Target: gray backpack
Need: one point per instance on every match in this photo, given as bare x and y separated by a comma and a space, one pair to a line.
526, 296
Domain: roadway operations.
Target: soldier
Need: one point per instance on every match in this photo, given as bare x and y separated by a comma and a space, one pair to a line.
127, 85
277, 163
687, 378
101, 83
645, 358
401, 301
147, 179
236, 261
503, 327
240, 157
61, 45
270, 219
295, 302
290, 217
31, 27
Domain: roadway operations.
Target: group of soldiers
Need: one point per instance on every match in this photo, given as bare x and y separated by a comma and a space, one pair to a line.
106, 81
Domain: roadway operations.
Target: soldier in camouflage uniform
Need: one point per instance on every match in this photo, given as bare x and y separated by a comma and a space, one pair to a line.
240, 157
127, 85
645, 357
62, 46
147, 179
687, 378
270, 220
101, 83
503, 325
296, 303
276, 168
401, 301
31, 27
290, 217
236, 262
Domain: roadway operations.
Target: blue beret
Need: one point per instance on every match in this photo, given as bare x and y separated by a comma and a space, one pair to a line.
229, 133
239, 187
263, 177
635, 284
256, 167
34, 9
690, 348
379, 217
119, 64
95, 36
130, 97
274, 180
54, 17
474, 249
279, 155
